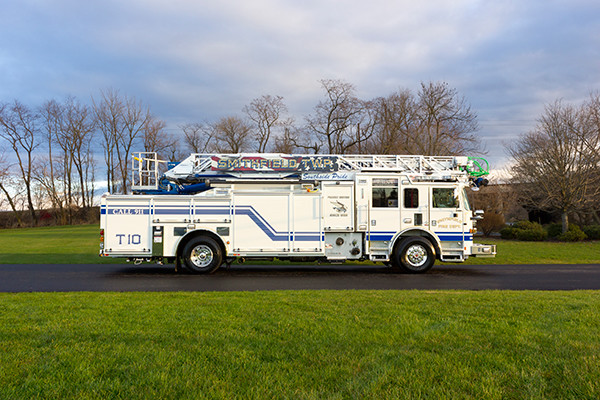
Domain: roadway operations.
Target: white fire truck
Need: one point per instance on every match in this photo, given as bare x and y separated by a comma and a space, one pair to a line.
210, 209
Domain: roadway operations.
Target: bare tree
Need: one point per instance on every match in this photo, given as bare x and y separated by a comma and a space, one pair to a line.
174, 152
231, 134
335, 122
445, 122
266, 113
108, 111
78, 128
285, 143
590, 137
363, 129
164, 144
19, 127
304, 139
49, 181
46, 172
5, 187
590, 132
555, 168
64, 140
395, 118
135, 118
121, 120
198, 137
156, 139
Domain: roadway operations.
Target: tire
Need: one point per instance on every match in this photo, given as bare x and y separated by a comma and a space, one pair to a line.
202, 255
414, 255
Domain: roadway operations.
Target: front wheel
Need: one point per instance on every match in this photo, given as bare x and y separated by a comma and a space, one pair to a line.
414, 255
202, 255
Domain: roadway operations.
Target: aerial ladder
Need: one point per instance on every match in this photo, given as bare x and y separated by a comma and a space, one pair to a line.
193, 174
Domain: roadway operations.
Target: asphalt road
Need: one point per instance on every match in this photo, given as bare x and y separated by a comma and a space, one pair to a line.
127, 277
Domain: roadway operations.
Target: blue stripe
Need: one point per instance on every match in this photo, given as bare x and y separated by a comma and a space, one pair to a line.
308, 238
249, 211
454, 236
381, 235
443, 236
264, 225
270, 231
259, 219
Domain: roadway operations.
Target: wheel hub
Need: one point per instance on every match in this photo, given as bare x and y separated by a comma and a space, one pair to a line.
416, 255
201, 256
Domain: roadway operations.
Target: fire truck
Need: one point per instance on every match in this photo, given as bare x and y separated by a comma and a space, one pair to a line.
212, 209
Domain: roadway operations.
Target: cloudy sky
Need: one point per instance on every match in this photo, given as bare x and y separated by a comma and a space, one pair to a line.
198, 60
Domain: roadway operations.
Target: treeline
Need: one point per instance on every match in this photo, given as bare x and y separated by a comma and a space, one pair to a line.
556, 166
554, 173
56, 156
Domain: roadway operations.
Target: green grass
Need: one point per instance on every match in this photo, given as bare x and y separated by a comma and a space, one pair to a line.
80, 244
77, 244
516, 252
306, 345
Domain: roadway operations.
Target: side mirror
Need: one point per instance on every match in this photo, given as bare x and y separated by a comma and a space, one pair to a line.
477, 215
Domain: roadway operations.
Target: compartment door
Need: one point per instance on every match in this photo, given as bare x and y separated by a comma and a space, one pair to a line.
338, 206
261, 222
128, 228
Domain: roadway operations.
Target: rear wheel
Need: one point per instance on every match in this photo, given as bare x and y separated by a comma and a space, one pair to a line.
414, 255
202, 255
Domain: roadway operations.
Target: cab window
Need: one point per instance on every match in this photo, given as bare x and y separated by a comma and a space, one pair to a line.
411, 198
444, 198
384, 192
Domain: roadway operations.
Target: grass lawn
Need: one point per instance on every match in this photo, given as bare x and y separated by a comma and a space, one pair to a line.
306, 344
517, 252
52, 245
80, 244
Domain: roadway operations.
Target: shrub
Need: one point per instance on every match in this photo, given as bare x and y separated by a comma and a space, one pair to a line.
491, 222
525, 225
554, 230
524, 230
574, 234
530, 235
508, 233
592, 232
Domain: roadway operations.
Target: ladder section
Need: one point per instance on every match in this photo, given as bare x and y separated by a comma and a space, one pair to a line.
281, 165
409, 164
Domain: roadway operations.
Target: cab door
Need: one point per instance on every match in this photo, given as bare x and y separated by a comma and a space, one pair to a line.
384, 210
446, 217
414, 206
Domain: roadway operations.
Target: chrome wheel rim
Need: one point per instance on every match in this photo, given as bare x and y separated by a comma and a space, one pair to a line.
201, 256
416, 255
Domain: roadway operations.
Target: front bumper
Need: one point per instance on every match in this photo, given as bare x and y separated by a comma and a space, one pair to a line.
483, 250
